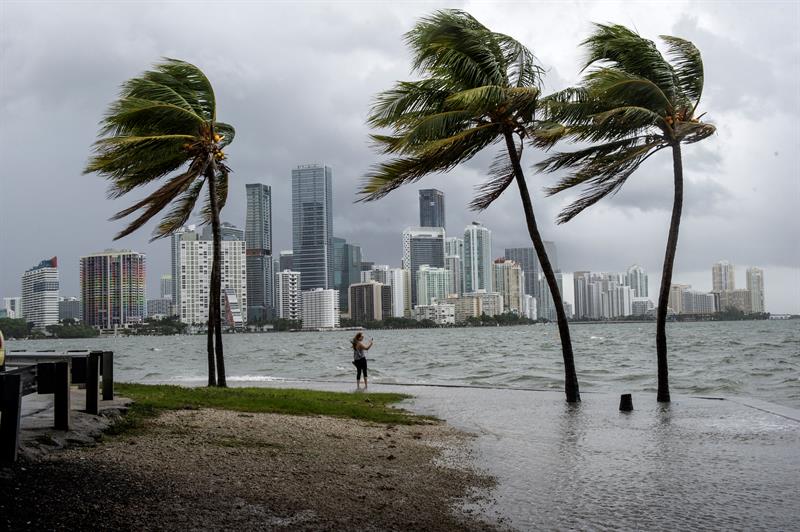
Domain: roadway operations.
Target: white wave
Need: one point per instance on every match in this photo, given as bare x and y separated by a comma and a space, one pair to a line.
597, 337
256, 378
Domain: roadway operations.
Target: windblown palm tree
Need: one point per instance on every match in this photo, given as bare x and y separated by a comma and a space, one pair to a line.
163, 123
478, 88
631, 104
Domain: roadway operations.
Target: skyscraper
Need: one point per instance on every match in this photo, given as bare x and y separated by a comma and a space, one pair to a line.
320, 308
312, 225
544, 303
285, 260
755, 284
347, 269
529, 262
477, 258
422, 245
509, 282
369, 302
432, 284
636, 278
431, 208
69, 308
165, 286
723, 276
113, 289
40, 294
258, 239
13, 307
454, 261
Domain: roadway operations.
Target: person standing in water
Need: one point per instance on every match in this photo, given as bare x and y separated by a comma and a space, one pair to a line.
360, 357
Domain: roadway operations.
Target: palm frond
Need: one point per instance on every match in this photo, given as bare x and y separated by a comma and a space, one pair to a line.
190, 81
613, 85
221, 186
688, 68
226, 131
408, 98
181, 210
501, 174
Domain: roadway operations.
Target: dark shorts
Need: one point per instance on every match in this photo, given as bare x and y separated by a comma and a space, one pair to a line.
361, 366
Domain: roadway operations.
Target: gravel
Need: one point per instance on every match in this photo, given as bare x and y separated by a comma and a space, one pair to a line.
214, 470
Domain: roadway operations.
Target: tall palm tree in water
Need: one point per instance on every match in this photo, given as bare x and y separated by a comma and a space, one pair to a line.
164, 126
631, 104
478, 88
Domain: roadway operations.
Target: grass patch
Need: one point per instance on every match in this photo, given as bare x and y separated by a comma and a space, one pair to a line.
149, 400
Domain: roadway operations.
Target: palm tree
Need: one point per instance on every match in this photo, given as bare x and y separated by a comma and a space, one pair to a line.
631, 104
478, 88
165, 121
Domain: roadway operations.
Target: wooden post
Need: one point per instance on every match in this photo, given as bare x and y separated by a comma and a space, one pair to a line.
625, 402
11, 408
108, 375
92, 378
61, 395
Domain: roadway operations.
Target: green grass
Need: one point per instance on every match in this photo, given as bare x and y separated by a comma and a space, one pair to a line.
149, 400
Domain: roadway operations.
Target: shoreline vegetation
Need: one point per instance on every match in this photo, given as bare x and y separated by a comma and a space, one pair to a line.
255, 458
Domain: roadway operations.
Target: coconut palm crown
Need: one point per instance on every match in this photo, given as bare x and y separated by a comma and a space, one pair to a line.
631, 103
477, 88
164, 126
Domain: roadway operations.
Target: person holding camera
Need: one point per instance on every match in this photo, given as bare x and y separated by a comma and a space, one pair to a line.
360, 357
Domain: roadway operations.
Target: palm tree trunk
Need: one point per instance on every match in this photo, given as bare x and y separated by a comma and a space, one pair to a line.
666, 278
570, 376
216, 277
212, 312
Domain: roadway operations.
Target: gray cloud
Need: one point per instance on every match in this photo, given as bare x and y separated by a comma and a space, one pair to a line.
296, 80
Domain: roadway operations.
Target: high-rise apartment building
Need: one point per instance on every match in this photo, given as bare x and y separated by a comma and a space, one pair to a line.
159, 307
477, 258
431, 208
40, 294
227, 231
636, 278
422, 246
258, 245
755, 284
545, 303
723, 276
165, 286
13, 307
175, 261
369, 302
195, 259
398, 279
287, 295
454, 265
312, 225
347, 269
320, 308
113, 289
439, 313
432, 284
529, 262
601, 295
69, 308
509, 282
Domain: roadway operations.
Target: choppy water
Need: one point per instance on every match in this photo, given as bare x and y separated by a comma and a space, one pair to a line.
756, 358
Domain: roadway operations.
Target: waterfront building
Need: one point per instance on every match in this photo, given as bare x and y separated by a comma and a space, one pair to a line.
545, 305
227, 231
258, 249
347, 269
491, 303
431, 208
439, 313
285, 261
175, 251
477, 258
454, 247
422, 245
195, 261
13, 307
400, 282
755, 285
641, 306
69, 308
465, 306
529, 303
636, 278
40, 294
529, 262
165, 286
509, 282
312, 225
370, 301
676, 291
113, 285
698, 302
160, 307
432, 284
740, 299
320, 308
287, 295
723, 276
454, 265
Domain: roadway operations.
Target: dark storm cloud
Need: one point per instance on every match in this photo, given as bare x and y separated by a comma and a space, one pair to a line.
297, 79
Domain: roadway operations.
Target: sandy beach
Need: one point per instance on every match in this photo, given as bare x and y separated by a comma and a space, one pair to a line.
216, 469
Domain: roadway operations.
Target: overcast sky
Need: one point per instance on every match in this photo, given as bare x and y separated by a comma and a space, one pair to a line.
296, 80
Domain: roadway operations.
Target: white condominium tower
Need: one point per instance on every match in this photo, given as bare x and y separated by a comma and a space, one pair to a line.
723, 276
40, 294
432, 284
755, 284
195, 258
287, 295
636, 278
320, 308
477, 258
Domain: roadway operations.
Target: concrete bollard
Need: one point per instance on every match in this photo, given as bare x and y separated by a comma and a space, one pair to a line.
625, 402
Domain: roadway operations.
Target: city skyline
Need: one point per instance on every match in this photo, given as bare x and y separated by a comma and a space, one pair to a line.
731, 210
